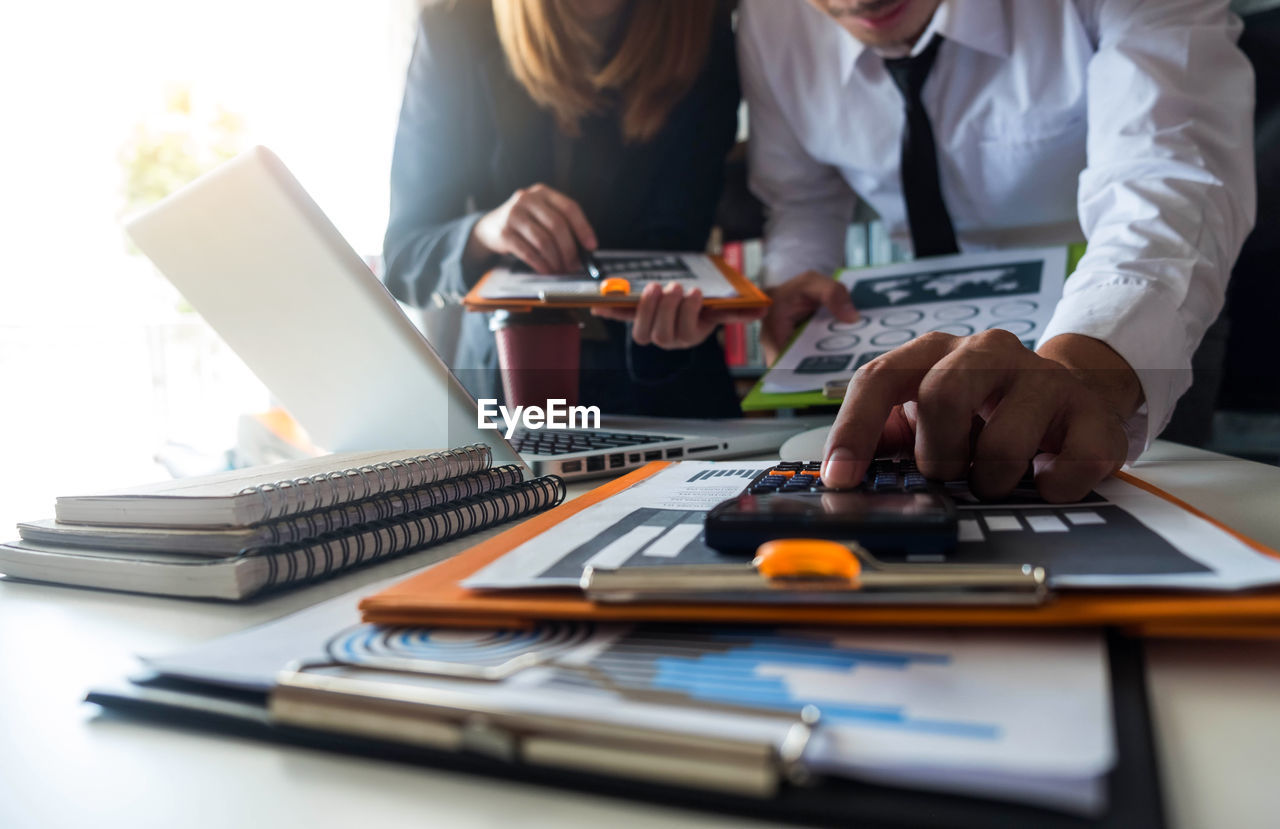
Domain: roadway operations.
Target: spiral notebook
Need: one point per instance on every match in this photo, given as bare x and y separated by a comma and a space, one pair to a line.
291, 530
242, 576
244, 497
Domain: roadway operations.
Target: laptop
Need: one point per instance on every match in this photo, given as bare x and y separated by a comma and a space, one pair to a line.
255, 255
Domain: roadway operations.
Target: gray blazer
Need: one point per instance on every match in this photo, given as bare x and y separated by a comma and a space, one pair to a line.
469, 136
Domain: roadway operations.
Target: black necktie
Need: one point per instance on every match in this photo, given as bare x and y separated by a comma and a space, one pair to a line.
931, 230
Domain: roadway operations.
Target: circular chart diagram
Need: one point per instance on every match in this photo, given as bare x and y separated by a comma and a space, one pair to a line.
901, 319
1016, 308
839, 342
892, 337
369, 644
1018, 327
955, 313
846, 327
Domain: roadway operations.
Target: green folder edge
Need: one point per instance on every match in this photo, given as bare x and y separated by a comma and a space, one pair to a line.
758, 400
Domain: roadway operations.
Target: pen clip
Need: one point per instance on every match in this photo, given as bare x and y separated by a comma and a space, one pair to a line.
814, 571
440, 717
613, 290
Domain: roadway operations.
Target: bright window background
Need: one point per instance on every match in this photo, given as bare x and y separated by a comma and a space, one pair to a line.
101, 365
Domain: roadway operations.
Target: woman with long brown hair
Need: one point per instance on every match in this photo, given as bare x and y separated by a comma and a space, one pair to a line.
533, 128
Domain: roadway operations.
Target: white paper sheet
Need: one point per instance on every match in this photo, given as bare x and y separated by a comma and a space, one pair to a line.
691, 270
962, 295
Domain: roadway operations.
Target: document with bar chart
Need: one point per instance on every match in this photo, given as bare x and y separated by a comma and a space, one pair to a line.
1010, 715
1023, 717
1119, 536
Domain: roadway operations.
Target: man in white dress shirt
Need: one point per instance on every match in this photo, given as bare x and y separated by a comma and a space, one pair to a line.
1126, 123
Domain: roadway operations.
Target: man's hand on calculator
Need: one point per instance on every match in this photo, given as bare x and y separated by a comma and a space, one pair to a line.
983, 407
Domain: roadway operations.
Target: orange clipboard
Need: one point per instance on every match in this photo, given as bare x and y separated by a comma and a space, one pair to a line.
436, 596
749, 296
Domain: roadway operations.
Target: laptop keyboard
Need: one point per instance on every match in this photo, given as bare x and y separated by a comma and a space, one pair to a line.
568, 441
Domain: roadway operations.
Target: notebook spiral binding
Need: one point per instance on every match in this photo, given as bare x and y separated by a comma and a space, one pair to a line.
376, 540
284, 498
380, 508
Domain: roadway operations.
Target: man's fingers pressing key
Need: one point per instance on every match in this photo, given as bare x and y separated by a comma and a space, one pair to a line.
874, 391
1025, 406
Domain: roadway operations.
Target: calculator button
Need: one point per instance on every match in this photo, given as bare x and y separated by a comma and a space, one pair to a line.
886, 482
914, 482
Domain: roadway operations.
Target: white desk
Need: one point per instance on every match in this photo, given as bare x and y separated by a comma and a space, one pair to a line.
1216, 708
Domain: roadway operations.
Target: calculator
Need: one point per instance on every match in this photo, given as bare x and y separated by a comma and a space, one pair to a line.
895, 512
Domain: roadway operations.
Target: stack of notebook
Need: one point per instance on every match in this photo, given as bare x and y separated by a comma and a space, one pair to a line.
236, 534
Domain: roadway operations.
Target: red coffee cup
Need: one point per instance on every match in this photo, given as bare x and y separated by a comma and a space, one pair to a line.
538, 354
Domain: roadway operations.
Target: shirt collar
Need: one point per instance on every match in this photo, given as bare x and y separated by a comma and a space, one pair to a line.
982, 25
978, 24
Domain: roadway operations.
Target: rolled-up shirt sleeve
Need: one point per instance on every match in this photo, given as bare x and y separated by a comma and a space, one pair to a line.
809, 204
1168, 195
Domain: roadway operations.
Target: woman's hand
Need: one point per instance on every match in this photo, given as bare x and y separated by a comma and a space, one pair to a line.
670, 319
539, 226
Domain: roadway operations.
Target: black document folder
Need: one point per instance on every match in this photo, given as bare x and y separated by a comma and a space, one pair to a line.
1134, 799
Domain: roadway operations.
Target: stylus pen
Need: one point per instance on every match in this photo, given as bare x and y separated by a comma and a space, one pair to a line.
588, 260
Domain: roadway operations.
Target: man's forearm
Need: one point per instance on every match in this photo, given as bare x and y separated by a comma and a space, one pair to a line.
801, 239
